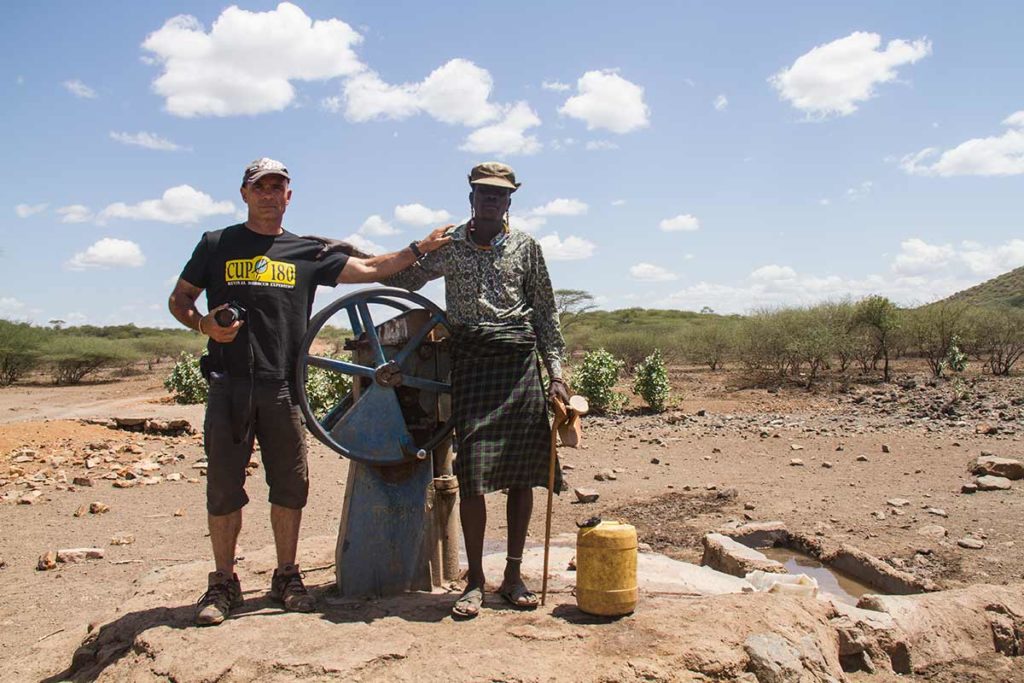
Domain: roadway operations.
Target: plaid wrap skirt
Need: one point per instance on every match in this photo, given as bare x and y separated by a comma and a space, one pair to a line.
502, 433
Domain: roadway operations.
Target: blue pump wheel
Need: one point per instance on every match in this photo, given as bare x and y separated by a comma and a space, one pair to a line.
370, 428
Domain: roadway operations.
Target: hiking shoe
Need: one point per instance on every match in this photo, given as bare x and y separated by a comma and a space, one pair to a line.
286, 588
223, 595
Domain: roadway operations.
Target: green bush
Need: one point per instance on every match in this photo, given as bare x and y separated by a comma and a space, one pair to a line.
932, 329
156, 347
650, 381
712, 343
881, 319
72, 358
186, 382
325, 389
20, 349
595, 379
998, 337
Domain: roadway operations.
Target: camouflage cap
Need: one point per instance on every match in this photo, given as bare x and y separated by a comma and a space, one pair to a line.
494, 173
261, 167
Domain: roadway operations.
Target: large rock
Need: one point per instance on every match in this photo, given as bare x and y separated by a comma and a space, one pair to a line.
773, 659
413, 638
989, 482
759, 534
726, 555
874, 572
868, 640
954, 625
999, 467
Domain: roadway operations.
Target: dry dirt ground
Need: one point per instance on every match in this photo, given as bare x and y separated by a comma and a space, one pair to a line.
825, 462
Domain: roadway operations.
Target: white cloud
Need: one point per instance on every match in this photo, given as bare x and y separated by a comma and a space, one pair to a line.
993, 156
26, 210
75, 213
417, 214
561, 207
618, 202
526, 223
824, 201
773, 273
147, 140
680, 223
649, 272
11, 308
917, 256
367, 97
607, 100
992, 261
859, 191
600, 145
721, 103
108, 253
570, 249
832, 79
920, 272
457, 92
508, 136
247, 61
535, 218
79, 89
375, 226
180, 204
556, 86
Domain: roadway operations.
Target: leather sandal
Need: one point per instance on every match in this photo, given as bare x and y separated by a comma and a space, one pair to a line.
469, 603
519, 596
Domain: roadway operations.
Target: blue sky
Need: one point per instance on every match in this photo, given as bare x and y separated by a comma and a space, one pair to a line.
731, 155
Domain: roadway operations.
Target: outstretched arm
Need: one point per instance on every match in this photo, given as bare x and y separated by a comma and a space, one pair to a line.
377, 268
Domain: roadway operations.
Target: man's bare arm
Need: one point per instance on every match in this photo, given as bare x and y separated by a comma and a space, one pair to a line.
182, 304
375, 268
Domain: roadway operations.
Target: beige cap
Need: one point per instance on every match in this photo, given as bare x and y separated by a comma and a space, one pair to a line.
494, 173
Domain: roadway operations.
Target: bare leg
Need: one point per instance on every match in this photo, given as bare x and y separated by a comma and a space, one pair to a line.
473, 515
518, 510
224, 530
285, 523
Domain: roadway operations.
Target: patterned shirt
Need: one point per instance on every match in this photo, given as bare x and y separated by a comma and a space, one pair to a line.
501, 283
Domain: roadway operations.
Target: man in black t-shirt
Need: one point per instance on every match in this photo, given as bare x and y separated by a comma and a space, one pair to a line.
270, 276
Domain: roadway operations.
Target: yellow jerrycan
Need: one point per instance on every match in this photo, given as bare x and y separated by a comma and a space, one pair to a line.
606, 568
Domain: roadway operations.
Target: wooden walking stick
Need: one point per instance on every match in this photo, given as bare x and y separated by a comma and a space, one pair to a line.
566, 423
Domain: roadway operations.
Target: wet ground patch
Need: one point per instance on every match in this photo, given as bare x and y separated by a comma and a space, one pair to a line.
675, 522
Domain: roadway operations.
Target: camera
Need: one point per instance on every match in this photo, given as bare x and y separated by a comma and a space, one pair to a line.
227, 316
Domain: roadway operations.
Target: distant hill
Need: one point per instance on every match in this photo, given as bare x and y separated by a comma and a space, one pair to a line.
1004, 290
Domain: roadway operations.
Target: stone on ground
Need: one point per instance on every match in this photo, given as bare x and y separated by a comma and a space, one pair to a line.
1000, 467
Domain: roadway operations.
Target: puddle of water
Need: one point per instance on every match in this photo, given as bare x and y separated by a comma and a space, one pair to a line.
829, 580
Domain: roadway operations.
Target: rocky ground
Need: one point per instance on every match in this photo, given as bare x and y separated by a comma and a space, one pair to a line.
880, 467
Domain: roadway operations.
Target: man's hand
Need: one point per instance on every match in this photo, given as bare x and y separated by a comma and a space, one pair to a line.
222, 335
436, 239
328, 246
559, 389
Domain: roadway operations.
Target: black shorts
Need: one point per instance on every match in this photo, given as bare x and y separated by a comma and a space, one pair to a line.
279, 427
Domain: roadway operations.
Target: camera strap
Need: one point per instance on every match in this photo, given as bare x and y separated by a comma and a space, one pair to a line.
242, 423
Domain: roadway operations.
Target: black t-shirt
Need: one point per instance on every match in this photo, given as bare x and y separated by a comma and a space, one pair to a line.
274, 278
